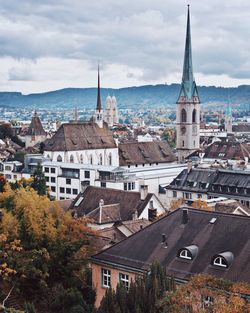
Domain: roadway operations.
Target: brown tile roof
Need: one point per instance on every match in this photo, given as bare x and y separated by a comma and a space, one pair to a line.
80, 136
229, 206
242, 127
142, 248
35, 127
129, 201
136, 225
227, 150
132, 153
109, 213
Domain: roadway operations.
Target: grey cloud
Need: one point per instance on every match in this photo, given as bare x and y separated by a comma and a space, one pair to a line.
144, 34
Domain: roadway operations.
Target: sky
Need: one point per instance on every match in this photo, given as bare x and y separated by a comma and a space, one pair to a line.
52, 44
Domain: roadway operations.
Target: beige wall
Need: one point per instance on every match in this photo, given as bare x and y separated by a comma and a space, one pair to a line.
97, 279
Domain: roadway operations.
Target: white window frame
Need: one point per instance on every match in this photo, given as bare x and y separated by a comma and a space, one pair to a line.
219, 261
184, 255
124, 279
106, 278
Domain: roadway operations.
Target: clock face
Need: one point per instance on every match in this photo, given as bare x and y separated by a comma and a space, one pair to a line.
183, 130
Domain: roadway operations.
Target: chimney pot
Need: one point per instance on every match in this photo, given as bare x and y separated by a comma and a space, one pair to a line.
163, 238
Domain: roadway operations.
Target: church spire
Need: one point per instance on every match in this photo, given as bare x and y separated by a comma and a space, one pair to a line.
188, 86
98, 104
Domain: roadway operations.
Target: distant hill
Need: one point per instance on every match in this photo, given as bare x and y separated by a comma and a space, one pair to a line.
144, 96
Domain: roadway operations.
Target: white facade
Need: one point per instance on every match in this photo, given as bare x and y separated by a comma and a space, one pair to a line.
11, 170
106, 157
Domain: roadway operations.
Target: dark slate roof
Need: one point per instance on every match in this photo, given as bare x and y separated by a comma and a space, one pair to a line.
196, 180
109, 213
242, 127
35, 127
138, 252
227, 150
129, 201
80, 136
132, 153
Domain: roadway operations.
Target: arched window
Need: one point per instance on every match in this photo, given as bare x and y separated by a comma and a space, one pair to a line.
81, 158
110, 159
183, 116
71, 159
100, 159
194, 116
219, 261
59, 158
91, 159
184, 254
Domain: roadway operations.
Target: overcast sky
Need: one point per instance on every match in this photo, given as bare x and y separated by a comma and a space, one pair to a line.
52, 44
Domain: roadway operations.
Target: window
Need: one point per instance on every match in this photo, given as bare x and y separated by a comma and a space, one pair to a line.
110, 159
185, 254
100, 159
7, 168
183, 116
194, 116
87, 174
71, 159
125, 186
8, 176
199, 195
68, 190
183, 143
47, 179
68, 181
81, 158
124, 279
75, 191
46, 170
106, 278
53, 179
91, 159
103, 184
219, 261
15, 176
52, 170
174, 194
62, 189
59, 158
53, 188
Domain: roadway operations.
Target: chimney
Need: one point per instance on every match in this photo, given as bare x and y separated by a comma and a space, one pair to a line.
163, 238
141, 226
135, 215
143, 191
189, 166
101, 203
185, 217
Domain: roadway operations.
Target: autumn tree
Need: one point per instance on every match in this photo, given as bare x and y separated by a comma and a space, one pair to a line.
205, 294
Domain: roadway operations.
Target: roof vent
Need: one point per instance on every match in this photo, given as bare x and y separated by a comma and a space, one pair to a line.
185, 217
163, 238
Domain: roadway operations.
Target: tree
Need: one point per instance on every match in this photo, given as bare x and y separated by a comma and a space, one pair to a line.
204, 293
200, 204
39, 182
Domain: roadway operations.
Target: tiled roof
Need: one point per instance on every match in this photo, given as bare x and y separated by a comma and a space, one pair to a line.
35, 127
209, 231
133, 153
109, 213
80, 136
128, 201
227, 150
242, 127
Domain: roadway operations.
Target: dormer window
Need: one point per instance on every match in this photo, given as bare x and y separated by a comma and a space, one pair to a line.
223, 259
219, 261
188, 253
185, 254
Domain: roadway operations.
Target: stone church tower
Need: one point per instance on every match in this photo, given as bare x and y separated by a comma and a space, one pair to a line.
111, 112
98, 116
188, 106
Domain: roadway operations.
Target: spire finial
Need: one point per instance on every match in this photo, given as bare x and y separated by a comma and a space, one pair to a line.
99, 105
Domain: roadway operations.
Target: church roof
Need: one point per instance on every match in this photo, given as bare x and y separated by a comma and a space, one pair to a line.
98, 104
132, 153
35, 127
228, 110
80, 136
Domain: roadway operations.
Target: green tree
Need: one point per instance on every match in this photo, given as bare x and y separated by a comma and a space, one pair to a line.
39, 182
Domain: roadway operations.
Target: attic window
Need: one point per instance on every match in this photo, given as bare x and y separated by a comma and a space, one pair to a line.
185, 254
223, 259
79, 201
219, 261
188, 253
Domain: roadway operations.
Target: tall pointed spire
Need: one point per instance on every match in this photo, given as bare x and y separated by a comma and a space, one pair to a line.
99, 104
188, 86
